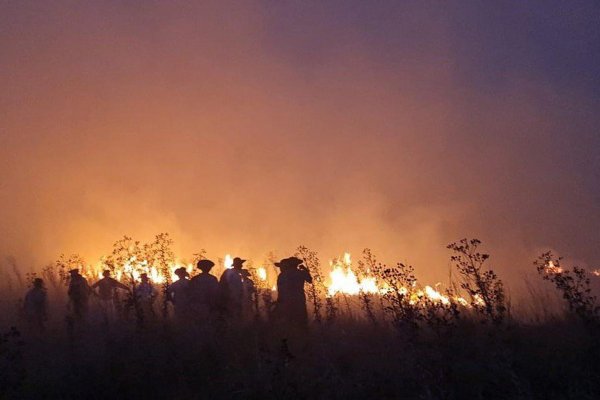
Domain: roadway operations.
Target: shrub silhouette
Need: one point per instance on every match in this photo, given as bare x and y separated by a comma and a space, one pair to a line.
484, 287
574, 285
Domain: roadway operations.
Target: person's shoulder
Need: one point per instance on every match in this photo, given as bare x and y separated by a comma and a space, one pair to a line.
182, 283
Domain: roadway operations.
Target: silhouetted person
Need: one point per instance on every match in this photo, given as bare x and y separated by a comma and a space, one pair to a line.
232, 288
178, 293
145, 294
291, 300
107, 292
204, 291
36, 306
79, 294
248, 293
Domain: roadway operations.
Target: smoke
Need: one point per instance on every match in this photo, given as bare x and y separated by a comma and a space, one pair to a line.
245, 129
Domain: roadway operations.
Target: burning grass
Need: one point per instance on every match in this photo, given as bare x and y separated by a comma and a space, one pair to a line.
375, 332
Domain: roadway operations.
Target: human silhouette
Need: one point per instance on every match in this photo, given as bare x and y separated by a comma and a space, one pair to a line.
248, 294
178, 293
291, 299
107, 292
145, 294
36, 306
79, 293
232, 289
204, 291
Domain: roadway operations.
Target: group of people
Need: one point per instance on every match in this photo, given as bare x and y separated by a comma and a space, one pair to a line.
199, 299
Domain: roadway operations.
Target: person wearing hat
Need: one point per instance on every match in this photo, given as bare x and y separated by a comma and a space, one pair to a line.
249, 299
232, 288
107, 292
79, 293
145, 293
291, 299
204, 291
36, 306
177, 293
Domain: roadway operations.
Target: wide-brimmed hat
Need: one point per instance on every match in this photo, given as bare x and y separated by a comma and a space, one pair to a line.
289, 262
205, 265
181, 271
294, 261
281, 263
238, 261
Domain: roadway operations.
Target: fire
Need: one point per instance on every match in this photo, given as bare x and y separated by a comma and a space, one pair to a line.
434, 295
345, 281
552, 269
228, 261
342, 279
134, 269
261, 273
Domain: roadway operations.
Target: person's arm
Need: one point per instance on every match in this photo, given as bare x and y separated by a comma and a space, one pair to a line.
120, 285
307, 276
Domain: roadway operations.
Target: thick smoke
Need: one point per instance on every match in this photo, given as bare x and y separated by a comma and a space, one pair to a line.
262, 127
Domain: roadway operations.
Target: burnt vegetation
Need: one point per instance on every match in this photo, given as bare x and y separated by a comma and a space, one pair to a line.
403, 340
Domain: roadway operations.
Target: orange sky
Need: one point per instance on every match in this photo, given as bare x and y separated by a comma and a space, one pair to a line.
258, 128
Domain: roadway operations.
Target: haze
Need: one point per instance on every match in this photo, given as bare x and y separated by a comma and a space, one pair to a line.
245, 128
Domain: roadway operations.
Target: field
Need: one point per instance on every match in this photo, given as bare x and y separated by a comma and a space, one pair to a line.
399, 341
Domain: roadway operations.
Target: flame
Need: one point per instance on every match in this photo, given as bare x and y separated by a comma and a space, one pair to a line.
343, 279
135, 268
552, 269
347, 259
436, 296
228, 261
261, 273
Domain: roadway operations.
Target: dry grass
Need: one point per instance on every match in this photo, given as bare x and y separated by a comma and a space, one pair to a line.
366, 346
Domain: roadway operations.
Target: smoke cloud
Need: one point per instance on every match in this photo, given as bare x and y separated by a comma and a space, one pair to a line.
248, 128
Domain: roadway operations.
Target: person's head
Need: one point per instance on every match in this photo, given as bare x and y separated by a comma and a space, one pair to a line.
245, 274
144, 277
38, 283
238, 263
74, 272
288, 264
106, 273
294, 262
283, 265
205, 265
181, 273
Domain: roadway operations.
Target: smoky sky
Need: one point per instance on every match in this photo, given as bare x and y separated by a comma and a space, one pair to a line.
246, 127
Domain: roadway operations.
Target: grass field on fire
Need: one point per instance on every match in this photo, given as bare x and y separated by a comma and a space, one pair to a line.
375, 331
